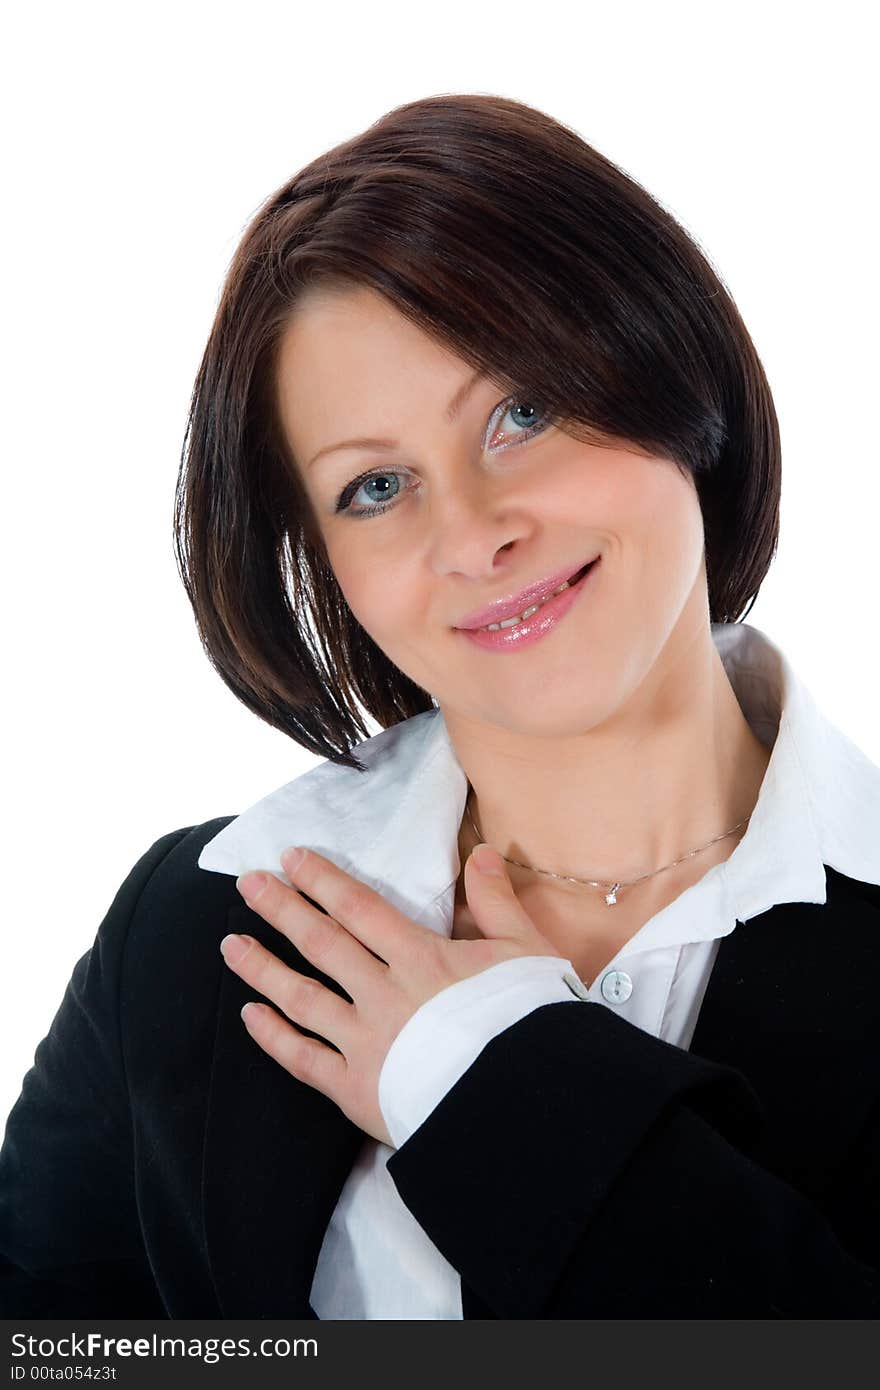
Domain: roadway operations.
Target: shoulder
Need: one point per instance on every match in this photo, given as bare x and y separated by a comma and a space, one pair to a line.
155, 967
170, 865
168, 891
164, 908
858, 897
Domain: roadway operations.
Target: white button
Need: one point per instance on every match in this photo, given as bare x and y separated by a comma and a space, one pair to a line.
575, 985
617, 986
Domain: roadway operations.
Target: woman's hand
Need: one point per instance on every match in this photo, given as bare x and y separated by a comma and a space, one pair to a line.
386, 963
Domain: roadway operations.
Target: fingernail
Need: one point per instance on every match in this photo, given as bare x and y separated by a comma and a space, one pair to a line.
251, 885
292, 858
488, 860
234, 947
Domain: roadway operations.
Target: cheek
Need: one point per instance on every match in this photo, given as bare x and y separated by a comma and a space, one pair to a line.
670, 550
677, 528
379, 594
652, 517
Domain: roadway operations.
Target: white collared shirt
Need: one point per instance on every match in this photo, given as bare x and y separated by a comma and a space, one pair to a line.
396, 828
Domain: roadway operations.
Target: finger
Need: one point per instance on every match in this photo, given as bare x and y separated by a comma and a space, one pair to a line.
317, 936
305, 1001
304, 1058
496, 909
363, 913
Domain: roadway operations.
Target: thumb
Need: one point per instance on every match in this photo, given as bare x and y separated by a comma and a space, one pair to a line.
490, 896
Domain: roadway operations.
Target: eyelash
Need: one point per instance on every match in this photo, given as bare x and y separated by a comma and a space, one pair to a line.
344, 499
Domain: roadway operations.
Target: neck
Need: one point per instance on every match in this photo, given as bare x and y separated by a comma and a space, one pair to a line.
672, 769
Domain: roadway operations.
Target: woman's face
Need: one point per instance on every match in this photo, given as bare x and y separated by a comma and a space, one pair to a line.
464, 511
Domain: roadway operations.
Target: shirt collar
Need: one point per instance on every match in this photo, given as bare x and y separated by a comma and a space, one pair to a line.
395, 826
819, 802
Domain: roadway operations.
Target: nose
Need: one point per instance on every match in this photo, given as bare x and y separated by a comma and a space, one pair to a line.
473, 529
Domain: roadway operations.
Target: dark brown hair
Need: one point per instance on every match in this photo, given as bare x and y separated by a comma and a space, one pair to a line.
503, 235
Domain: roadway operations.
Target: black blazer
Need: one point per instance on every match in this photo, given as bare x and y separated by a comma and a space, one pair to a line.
159, 1164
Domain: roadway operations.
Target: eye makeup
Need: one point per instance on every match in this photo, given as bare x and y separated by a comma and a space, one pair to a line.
343, 501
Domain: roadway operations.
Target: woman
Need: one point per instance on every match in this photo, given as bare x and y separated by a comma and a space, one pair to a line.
460, 361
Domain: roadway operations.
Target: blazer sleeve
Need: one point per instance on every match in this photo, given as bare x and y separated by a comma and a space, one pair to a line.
442, 1038
582, 1168
70, 1241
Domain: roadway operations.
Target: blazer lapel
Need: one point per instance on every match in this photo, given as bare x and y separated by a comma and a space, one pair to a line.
277, 1153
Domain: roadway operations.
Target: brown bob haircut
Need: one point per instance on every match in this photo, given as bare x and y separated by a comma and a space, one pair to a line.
503, 235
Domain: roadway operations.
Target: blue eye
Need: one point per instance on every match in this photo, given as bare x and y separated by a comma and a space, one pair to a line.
387, 488
386, 494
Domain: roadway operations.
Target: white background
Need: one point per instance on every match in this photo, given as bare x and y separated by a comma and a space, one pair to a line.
138, 144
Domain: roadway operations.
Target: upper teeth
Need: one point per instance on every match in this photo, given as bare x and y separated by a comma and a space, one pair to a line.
518, 617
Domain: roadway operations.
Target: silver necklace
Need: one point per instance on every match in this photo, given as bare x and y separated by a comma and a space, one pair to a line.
610, 897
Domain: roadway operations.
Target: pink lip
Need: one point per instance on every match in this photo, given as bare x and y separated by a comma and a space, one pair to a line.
539, 625
506, 607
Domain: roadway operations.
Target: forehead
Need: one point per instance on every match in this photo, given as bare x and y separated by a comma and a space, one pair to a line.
331, 330
348, 356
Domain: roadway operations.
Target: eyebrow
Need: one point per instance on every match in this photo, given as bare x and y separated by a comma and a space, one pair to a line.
452, 411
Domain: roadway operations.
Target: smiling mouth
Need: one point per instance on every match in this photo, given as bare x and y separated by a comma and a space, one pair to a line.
530, 611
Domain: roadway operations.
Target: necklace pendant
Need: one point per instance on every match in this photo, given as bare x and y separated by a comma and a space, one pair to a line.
611, 898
